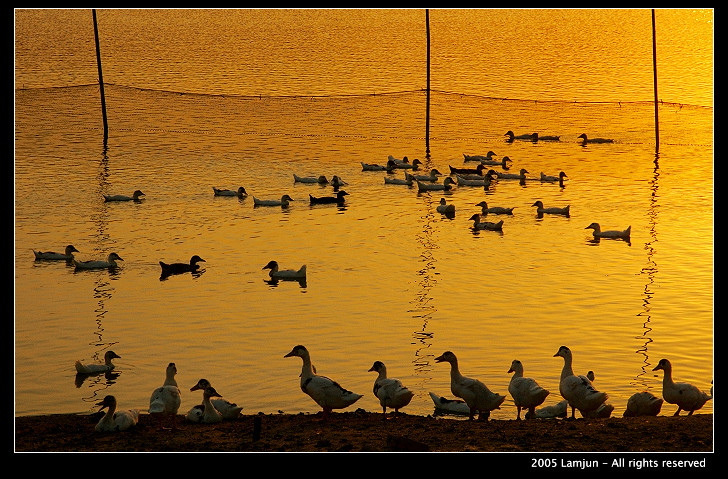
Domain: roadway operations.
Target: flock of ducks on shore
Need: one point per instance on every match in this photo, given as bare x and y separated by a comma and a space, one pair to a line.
577, 391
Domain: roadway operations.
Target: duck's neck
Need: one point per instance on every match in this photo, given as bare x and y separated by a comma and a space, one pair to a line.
667, 378
170, 381
518, 373
567, 370
455, 371
109, 416
307, 369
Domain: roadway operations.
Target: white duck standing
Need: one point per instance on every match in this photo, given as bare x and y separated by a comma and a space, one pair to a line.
643, 404
240, 192
134, 197
605, 410
205, 413
113, 420
283, 202
326, 392
686, 396
553, 210
526, 392
390, 391
276, 273
166, 399
99, 264
614, 234
577, 390
475, 394
229, 410
67, 255
98, 368
494, 210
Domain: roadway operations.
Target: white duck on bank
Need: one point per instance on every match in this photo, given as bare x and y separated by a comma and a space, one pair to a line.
67, 255
554, 179
603, 411
521, 175
283, 202
444, 405
485, 225
553, 210
390, 391
586, 140
135, 197
240, 192
577, 390
615, 234
205, 413
550, 412
643, 404
475, 394
166, 399
276, 273
446, 185
526, 392
113, 420
686, 396
99, 264
94, 368
326, 392
493, 210
444, 208
229, 410
321, 180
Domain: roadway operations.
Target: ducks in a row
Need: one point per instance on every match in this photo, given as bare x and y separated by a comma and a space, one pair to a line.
534, 137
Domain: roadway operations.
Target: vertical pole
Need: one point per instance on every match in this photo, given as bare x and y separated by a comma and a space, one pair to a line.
101, 77
427, 118
654, 68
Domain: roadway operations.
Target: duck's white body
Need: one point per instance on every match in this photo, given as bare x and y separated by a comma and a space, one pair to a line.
229, 410
554, 179
444, 208
526, 392
321, 180
550, 412
521, 175
603, 411
686, 396
586, 140
98, 368
446, 185
390, 391
407, 180
284, 201
578, 390
475, 394
485, 225
598, 233
511, 136
99, 264
494, 210
240, 192
205, 413
643, 404
166, 399
432, 177
551, 210
276, 273
482, 181
479, 158
135, 197
67, 255
326, 392
450, 406
113, 420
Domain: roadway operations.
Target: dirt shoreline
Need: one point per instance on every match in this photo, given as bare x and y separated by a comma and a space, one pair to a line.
361, 431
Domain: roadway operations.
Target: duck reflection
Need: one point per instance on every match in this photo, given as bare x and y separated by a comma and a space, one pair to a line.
273, 282
106, 378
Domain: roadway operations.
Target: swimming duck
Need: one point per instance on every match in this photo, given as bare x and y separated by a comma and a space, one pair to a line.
434, 173
444, 208
526, 392
643, 404
240, 192
598, 233
52, 255
478, 170
487, 157
483, 181
177, 268
283, 202
229, 410
113, 420
275, 273
503, 162
327, 200
476, 394
494, 210
98, 368
206, 412
554, 179
407, 180
99, 264
536, 137
404, 163
321, 180
552, 210
586, 140
449, 406
488, 175
577, 390
326, 392
135, 197
166, 399
336, 182
485, 225
550, 412
512, 176
685, 395
511, 136
373, 167
390, 392
446, 185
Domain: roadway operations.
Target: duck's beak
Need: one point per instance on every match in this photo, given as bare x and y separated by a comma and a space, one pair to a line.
439, 359
288, 355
